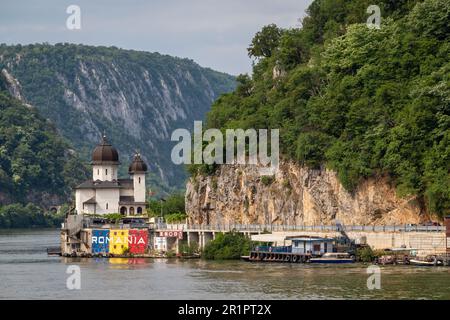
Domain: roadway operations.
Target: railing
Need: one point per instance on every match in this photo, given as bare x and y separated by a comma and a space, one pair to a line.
317, 228
261, 228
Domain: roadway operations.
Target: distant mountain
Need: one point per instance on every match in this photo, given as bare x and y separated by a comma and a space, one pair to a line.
137, 98
36, 164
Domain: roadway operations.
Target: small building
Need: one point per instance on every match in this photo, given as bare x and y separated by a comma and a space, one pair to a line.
311, 245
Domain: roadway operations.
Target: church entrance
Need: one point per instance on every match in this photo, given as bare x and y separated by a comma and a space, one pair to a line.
123, 211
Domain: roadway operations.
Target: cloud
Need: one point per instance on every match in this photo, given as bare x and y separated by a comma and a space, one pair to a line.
215, 33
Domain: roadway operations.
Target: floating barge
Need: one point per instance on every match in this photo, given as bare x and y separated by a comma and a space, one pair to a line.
257, 256
302, 250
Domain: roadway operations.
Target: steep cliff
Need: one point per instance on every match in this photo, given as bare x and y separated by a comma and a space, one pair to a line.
137, 98
364, 102
295, 195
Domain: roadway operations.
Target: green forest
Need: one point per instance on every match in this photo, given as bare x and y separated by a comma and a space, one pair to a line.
36, 164
362, 101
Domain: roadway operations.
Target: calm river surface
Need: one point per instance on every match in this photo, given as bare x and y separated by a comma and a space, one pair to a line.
27, 273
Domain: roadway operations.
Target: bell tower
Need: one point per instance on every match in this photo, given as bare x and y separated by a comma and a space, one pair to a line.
137, 171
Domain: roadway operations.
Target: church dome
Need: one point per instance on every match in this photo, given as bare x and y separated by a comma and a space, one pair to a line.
138, 165
105, 153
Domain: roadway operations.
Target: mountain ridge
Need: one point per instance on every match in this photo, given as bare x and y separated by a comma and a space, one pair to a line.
137, 98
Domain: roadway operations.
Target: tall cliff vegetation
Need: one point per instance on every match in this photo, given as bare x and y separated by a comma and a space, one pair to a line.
36, 164
136, 98
363, 102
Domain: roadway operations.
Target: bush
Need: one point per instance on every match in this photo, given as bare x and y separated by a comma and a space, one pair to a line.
365, 254
189, 250
175, 217
113, 217
267, 180
227, 246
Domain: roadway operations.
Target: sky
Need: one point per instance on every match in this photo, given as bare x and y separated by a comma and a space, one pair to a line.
214, 33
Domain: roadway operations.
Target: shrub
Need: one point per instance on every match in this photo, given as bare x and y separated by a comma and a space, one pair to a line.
365, 254
227, 246
267, 180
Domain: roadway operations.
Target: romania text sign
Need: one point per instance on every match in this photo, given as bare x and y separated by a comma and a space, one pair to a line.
118, 241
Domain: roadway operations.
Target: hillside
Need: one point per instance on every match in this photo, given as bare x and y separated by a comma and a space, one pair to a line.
137, 98
36, 164
364, 115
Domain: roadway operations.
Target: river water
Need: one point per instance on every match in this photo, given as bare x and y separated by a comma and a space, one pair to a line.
26, 272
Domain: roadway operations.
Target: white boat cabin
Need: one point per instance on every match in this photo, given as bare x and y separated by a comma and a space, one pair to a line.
311, 245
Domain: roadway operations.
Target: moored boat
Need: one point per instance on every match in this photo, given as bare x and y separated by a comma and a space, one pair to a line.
333, 258
429, 261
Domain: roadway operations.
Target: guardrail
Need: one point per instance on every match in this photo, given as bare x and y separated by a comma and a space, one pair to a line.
275, 228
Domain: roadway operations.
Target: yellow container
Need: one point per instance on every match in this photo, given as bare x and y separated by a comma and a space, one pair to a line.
118, 242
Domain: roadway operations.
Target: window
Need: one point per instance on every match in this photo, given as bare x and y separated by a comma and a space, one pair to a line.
139, 179
107, 206
106, 170
98, 172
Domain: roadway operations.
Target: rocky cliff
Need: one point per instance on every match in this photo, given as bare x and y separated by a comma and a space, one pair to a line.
137, 98
295, 195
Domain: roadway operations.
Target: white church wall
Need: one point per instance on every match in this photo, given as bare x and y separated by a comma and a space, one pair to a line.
82, 195
107, 201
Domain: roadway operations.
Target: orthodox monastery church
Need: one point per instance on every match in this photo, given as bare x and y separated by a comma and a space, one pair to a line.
105, 193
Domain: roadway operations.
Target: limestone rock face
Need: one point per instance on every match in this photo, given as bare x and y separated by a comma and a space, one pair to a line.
295, 195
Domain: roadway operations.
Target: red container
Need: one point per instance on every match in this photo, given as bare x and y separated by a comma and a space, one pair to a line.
137, 241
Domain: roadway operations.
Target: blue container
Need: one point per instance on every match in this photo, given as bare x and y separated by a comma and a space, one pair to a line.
100, 241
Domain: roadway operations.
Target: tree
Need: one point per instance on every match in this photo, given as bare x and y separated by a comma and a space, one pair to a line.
265, 42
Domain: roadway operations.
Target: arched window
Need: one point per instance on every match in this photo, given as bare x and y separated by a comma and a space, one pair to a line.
131, 211
139, 210
123, 210
98, 172
106, 170
139, 179
106, 206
